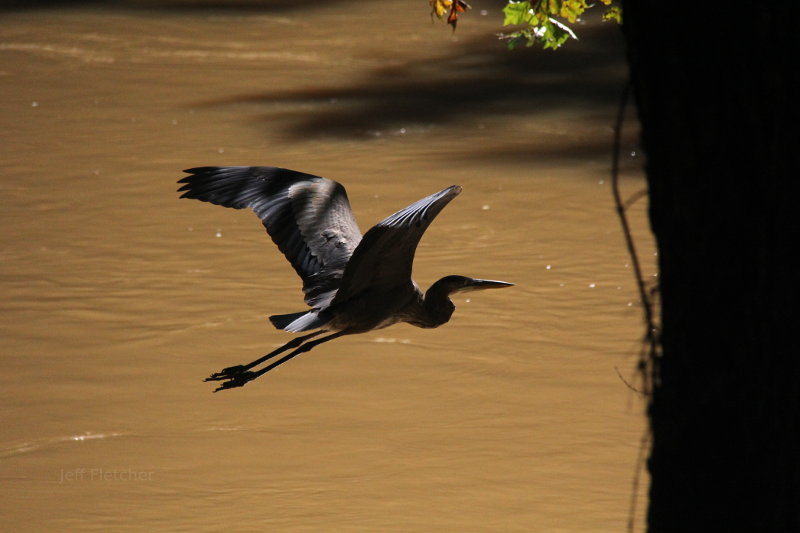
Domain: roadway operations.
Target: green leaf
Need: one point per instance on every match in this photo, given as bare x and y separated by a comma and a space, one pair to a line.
517, 13
559, 27
613, 13
555, 34
572, 9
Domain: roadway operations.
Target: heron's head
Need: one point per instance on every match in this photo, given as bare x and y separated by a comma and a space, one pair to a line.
453, 284
438, 306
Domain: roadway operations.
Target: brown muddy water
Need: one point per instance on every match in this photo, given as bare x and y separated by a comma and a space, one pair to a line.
118, 298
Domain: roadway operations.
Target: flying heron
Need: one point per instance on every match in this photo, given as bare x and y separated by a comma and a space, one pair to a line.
353, 284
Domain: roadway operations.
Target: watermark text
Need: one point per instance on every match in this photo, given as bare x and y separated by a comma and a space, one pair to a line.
104, 474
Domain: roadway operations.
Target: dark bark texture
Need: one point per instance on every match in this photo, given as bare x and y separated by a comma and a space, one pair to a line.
716, 91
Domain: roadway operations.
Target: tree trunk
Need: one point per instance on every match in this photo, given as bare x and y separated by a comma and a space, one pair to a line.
717, 95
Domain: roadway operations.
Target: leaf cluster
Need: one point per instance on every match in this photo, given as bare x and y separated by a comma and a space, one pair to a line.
453, 7
538, 20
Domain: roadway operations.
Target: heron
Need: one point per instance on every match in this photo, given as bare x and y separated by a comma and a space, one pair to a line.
352, 283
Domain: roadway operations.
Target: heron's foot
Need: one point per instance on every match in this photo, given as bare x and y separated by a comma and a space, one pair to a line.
237, 380
227, 373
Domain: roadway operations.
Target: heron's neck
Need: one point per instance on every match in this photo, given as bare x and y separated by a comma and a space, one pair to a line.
437, 307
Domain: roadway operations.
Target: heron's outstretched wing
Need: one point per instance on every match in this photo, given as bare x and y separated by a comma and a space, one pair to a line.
385, 255
307, 216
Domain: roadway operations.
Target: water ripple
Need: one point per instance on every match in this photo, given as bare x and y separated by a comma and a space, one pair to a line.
43, 444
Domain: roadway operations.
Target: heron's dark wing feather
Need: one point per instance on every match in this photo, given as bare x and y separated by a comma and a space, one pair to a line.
307, 216
385, 256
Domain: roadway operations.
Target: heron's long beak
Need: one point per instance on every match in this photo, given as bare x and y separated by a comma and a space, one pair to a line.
477, 284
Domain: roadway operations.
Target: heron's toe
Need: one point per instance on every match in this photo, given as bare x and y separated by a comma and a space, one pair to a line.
227, 373
238, 380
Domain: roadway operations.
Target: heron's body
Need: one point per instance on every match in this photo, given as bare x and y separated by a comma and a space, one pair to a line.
353, 284
403, 303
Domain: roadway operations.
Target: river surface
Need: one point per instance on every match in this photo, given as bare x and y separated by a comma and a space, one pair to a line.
118, 298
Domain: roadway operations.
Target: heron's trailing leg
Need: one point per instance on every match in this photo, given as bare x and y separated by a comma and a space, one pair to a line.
243, 376
232, 371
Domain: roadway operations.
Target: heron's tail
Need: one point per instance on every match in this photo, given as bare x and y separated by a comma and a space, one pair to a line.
281, 321
302, 321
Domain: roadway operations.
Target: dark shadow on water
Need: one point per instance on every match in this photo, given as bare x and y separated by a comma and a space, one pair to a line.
465, 82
